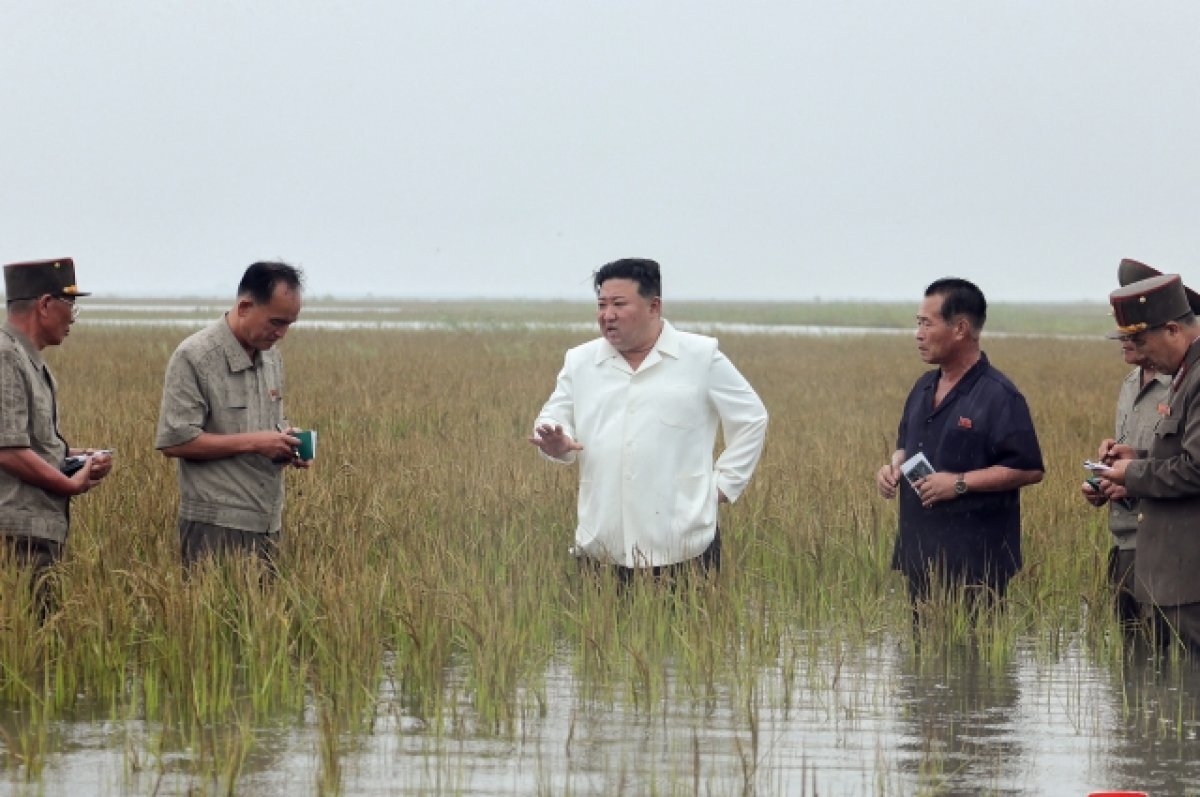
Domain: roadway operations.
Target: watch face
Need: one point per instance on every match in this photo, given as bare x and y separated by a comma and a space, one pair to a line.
960, 486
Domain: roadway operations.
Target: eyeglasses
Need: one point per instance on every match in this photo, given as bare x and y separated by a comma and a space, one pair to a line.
70, 302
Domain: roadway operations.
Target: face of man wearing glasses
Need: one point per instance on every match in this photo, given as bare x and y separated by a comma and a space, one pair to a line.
1131, 354
56, 314
1159, 347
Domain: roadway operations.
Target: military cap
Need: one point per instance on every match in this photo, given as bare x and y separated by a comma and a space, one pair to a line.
1147, 304
1132, 271
39, 277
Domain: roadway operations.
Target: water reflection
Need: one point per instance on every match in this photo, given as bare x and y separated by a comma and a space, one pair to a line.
870, 720
1154, 726
956, 717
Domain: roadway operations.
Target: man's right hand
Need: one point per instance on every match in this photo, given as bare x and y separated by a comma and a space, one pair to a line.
553, 441
887, 479
1110, 451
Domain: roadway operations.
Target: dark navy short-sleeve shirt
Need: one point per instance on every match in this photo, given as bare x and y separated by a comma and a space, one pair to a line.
982, 421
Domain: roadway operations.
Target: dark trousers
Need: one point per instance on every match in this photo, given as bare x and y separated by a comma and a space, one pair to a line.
1120, 577
37, 556
204, 540
935, 585
1168, 624
707, 562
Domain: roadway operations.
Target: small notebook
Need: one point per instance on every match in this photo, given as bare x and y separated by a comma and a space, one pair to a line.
916, 467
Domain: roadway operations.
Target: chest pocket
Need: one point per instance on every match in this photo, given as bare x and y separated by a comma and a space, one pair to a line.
232, 410
1166, 427
964, 449
237, 396
682, 407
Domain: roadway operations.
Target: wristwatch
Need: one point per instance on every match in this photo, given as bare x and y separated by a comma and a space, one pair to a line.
960, 484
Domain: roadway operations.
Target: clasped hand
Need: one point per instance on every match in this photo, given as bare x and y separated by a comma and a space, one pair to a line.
1117, 456
936, 487
280, 447
95, 467
931, 489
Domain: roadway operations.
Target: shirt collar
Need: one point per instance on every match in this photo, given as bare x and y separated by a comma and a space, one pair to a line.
1193, 352
31, 351
235, 355
667, 345
668, 341
972, 375
966, 381
1161, 378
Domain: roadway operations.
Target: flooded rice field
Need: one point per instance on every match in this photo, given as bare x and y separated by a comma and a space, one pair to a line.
882, 720
428, 633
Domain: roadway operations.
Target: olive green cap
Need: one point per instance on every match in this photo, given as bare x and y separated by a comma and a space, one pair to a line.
39, 277
1147, 304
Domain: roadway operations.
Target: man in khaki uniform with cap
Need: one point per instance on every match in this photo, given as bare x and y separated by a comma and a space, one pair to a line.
222, 417
1155, 316
34, 489
1142, 391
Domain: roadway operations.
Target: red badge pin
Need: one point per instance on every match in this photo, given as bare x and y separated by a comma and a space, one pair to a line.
275, 393
964, 422
1164, 409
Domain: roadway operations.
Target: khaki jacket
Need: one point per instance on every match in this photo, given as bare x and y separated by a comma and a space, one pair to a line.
29, 419
212, 385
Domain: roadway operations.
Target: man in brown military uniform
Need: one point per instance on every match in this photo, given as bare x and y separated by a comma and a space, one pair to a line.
34, 489
222, 417
1155, 316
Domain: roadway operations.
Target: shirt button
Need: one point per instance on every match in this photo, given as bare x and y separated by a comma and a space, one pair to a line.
1141, 517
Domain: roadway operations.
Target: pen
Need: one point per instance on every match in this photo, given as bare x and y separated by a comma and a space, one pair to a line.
1107, 454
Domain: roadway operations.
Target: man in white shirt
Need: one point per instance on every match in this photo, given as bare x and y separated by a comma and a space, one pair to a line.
639, 409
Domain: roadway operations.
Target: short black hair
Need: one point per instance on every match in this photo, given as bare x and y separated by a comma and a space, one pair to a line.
960, 297
260, 280
642, 271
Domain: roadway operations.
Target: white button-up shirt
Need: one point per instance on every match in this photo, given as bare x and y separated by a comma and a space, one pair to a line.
647, 483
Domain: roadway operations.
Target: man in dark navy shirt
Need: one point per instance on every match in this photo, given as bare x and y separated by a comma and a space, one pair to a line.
961, 524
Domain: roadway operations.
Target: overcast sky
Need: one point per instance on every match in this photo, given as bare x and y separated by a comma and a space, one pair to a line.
783, 150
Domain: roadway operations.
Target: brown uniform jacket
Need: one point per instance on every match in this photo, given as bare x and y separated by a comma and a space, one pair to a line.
1167, 481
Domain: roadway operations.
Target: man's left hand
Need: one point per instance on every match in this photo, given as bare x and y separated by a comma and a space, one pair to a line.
102, 463
936, 487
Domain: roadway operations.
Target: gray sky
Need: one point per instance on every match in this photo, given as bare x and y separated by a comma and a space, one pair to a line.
782, 150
